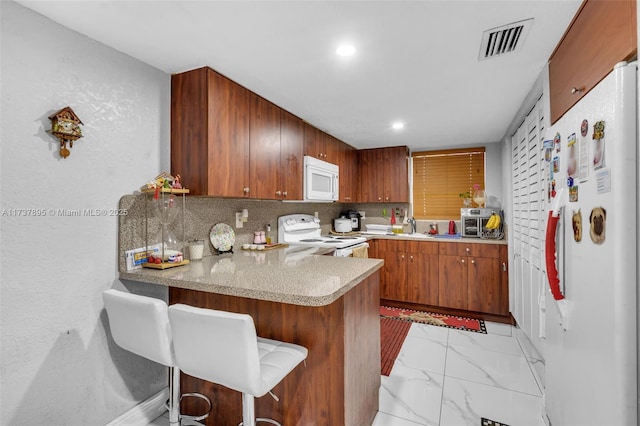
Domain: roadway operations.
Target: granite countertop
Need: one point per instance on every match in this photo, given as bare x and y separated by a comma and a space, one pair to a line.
408, 237
294, 275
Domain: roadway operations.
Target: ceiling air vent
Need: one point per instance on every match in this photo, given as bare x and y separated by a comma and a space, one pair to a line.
505, 39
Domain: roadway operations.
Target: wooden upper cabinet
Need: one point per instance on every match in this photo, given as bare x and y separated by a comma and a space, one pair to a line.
603, 33
210, 133
291, 156
320, 145
384, 175
229, 142
264, 163
347, 161
314, 143
277, 139
371, 175
396, 174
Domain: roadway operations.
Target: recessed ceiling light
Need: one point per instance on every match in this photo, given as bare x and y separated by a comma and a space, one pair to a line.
346, 50
398, 125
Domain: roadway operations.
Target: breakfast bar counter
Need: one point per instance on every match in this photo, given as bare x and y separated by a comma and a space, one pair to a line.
299, 276
328, 304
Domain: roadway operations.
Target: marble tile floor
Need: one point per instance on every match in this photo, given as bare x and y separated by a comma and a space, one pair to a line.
445, 377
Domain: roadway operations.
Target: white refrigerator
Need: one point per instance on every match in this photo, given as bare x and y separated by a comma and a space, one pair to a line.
591, 324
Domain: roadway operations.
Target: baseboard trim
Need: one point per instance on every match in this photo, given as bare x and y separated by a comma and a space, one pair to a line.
145, 412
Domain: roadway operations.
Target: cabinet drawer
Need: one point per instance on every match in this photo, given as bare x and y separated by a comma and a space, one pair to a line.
424, 247
469, 249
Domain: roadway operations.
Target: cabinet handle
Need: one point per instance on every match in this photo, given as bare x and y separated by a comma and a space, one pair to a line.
245, 190
347, 198
468, 249
473, 262
462, 260
379, 198
386, 198
284, 193
402, 257
504, 266
575, 90
411, 258
278, 193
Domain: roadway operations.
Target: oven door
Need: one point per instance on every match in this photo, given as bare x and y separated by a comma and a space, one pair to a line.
348, 251
471, 226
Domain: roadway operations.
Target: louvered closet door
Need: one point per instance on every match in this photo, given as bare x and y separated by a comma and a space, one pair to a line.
528, 211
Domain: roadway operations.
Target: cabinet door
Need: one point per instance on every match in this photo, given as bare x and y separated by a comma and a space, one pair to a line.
314, 142
422, 278
331, 148
452, 282
605, 30
374, 249
485, 285
210, 133
371, 175
348, 164
395, 276
395, 165
504, 280
228, 125
264, 150
291, 162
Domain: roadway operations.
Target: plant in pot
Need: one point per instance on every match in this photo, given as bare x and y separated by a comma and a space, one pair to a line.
466, 198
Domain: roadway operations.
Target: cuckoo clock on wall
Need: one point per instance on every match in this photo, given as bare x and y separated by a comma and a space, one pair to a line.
65, 125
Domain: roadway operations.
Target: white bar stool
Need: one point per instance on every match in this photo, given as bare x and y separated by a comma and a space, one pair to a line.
223, 348
141, 325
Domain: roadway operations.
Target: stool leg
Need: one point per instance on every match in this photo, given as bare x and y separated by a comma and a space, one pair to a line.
174, 396
248, 410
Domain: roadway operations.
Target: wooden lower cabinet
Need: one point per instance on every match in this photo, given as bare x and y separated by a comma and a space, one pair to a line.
410, 272
469, 277
338, 383
453, 282
472, 277
485, 285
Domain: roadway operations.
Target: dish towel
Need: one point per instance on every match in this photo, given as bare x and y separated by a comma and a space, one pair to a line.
361, 252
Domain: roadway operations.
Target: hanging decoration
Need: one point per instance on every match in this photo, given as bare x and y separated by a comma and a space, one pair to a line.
65, 125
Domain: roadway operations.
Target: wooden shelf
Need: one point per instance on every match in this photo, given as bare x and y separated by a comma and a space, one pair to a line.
164, 265
165, 191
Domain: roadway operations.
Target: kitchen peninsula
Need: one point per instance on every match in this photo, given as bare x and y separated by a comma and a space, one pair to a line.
328, 304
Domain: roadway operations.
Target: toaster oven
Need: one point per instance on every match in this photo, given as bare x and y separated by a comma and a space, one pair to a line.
473, 220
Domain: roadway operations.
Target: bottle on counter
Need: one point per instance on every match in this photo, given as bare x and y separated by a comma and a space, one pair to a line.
268, 235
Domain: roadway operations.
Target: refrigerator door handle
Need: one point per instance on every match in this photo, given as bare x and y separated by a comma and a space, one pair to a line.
550, 257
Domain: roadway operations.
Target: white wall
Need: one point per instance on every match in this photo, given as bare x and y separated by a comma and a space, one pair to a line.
493, 174
59, 364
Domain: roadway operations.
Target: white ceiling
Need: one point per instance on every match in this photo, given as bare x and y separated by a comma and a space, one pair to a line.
416, 61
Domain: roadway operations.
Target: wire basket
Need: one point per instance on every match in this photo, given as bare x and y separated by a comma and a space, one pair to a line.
494, 234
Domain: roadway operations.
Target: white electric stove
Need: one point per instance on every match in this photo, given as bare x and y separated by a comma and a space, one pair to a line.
304, 230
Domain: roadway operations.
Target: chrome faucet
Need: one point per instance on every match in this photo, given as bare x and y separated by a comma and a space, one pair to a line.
412, 222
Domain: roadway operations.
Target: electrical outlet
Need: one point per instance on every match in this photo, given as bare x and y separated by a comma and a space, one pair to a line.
362, 214
239, 220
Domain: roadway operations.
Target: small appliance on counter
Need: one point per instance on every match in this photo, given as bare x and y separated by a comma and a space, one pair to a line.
342, 225
433, 228
304, 230
472, 221
355, 217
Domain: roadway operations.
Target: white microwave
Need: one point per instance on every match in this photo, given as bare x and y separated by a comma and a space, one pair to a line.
320, 180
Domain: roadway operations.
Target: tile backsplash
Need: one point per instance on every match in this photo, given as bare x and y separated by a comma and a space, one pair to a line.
201, 213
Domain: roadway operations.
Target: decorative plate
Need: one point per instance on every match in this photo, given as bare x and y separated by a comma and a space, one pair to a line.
222, 237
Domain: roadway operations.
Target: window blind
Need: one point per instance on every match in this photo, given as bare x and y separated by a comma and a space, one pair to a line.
440, 176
